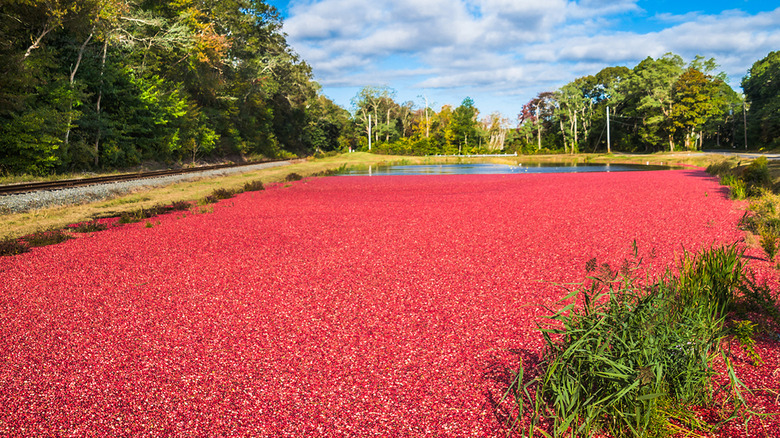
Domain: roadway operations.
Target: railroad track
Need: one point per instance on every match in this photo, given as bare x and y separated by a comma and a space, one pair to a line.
11, 189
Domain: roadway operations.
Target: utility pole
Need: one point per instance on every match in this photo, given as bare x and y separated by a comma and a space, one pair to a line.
609, 147
369, 132
744, 120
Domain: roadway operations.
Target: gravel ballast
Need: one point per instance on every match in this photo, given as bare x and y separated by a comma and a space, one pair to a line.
20, 203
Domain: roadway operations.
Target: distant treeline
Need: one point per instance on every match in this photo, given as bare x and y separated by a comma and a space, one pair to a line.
100, 84
660, 104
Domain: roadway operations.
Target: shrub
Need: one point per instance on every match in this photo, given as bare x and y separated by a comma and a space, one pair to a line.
9, 247
253, 186
769, 243
293, 177
737, 186
87, 227
757, 173
218, 194
720, 168
45, 238
180, 206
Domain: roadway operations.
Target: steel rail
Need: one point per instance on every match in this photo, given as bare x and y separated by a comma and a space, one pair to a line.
11, 189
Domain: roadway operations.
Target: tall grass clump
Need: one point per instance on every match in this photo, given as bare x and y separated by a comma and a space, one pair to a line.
736, 185
627, 356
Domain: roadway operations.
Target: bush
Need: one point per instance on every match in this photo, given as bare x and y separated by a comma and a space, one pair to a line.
87, 227
45, 238
630, 358
293, 177
253, 186
757, 173
769, 243
217, 195
9, 247
737, 186
720, 168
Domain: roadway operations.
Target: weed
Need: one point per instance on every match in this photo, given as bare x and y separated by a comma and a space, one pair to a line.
253, 186
217, 194
293, 177
9, 247
45, 238
180, 206
87, 227
737, 186
744, 331
149, 225
769, 240
757, 173
630, 358
720, 168
130, 217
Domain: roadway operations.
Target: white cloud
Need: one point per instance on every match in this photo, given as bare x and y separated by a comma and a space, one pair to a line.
502, 46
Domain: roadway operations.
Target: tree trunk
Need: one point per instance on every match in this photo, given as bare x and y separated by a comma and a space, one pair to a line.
38, 40
563, 133
72, 79
387, 137
99, 99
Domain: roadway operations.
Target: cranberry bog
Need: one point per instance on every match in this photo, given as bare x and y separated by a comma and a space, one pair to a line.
338, 306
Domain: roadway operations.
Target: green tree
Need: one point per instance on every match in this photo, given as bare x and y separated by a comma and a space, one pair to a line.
465, 126
762, 94
651, 88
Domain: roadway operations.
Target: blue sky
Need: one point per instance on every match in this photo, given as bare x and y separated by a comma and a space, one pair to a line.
501, 53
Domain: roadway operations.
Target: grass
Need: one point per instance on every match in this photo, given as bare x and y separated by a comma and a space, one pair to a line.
635, 355
87, 227
45, 238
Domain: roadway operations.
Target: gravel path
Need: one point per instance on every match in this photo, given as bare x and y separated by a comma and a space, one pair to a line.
22, 202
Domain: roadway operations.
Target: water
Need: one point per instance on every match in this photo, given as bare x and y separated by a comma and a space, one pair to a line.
491, 169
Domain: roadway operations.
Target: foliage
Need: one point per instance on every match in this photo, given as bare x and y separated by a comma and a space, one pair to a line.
736, 184
88, 227
756, 174
762, 93
111, 84
253, 186
633, 353
9, 247
218, 194
293, 177
45, 238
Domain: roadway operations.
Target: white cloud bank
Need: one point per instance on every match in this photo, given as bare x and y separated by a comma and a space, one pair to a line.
498, 48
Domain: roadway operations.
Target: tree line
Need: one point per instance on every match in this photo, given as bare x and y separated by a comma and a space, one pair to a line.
94, 84
661, 104
106, 84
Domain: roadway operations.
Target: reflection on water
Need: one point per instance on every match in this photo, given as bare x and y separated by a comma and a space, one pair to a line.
489, 169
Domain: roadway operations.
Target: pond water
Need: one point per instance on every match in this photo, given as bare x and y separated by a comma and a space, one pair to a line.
488, 169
